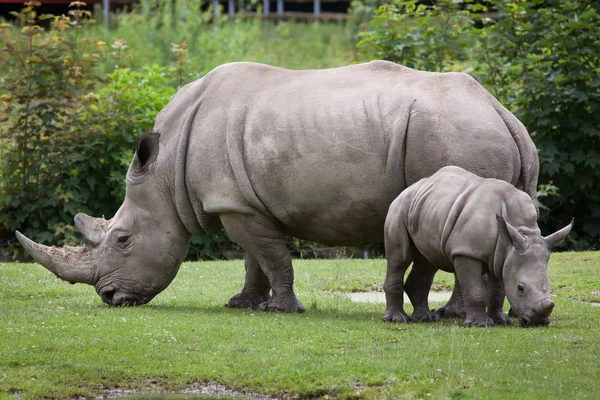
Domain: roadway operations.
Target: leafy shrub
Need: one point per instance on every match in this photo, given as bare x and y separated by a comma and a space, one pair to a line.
72, 107
66, 148
48, 157
417, 36
558, 99
542, 60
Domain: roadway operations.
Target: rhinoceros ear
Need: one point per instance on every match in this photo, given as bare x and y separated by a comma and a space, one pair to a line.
557, 237
510, 235
147, 149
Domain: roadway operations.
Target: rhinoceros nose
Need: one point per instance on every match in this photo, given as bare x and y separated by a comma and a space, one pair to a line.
545, 308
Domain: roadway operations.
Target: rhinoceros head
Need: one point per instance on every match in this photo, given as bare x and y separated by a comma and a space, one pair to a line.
525, 272
136, 254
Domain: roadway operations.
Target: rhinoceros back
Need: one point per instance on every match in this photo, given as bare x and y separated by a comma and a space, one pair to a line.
325, 152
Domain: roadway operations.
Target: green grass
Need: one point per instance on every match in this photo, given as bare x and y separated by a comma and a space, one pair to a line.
60, 341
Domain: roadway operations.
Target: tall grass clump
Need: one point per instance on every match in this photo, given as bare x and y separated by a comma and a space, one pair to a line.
214, 40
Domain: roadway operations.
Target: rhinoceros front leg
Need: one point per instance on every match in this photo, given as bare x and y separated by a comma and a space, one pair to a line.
469, 274
495, 301
455, 307
256, 287
264, 244
417, 286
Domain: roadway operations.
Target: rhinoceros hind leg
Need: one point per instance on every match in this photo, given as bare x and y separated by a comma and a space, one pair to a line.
417, 287
256, 287
247, 300
399, 251
282, 304
263, 242
455, 307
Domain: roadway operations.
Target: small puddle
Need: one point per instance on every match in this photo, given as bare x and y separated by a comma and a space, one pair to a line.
379, 297
197, 392
180, 396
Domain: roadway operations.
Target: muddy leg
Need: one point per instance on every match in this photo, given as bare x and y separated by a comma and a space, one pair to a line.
264, 243
455, 307
256, 286
418, 286
469, 274
495, 301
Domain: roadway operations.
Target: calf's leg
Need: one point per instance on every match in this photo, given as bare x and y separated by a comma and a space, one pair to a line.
495, 301
417, 287
469, 274
398, 252
455, 307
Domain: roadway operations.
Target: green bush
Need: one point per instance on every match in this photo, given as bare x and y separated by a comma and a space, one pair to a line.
418, 36
557, 62
542, 60
66, 147
49, 163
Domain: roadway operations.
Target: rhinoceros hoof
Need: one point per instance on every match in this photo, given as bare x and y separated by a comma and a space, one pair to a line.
398, 317
247, 300
479, 322
425, 316
501, 319
282, 304
450, 311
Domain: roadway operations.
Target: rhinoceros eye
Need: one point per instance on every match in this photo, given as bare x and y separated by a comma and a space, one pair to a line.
123, 240
521, 288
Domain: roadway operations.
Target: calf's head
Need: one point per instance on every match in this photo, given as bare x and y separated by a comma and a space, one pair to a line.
136, 254
525, 272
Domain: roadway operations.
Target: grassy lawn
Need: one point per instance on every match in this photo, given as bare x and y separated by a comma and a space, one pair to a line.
60, 341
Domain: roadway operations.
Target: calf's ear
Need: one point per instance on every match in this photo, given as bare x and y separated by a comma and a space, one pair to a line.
557, 238
510, 235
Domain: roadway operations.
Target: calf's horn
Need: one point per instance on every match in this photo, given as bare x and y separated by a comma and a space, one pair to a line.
69, 263
557, 238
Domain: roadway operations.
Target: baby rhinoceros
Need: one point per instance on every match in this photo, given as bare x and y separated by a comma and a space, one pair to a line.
458, 222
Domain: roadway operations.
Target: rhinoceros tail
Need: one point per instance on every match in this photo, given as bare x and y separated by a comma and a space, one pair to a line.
530, 164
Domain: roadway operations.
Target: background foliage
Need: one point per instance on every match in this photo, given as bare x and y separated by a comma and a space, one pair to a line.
542, 60
75, 95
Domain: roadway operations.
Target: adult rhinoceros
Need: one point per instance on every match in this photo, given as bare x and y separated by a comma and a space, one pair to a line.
267, 152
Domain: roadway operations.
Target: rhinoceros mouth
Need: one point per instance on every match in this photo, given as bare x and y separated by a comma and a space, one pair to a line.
115, 298
528, 322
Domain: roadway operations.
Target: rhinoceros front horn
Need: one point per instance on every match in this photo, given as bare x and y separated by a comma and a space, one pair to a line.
72, 264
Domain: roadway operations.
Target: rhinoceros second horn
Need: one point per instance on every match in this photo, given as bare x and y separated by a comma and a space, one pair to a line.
70, 263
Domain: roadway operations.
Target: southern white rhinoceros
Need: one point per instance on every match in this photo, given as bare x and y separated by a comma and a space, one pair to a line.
267, 152
471, 226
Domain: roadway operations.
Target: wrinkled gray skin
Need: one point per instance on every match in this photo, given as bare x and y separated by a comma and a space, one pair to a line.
470, 226
266, 152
